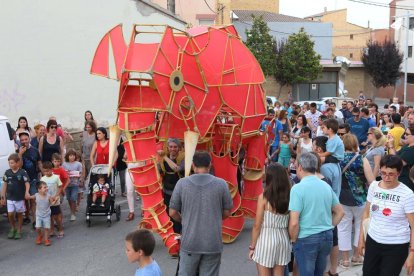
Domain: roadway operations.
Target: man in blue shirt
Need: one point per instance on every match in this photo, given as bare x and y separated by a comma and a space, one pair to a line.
359, 127
365, 115
314, 211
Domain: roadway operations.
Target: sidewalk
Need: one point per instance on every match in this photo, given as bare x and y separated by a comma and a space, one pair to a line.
352, 271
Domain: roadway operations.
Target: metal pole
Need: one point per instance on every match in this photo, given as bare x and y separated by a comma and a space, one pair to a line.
407, 26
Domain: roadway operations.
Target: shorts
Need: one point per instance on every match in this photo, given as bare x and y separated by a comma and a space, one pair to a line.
55, 210
101, 193
43, 222
16, 206
72, 193
33, 186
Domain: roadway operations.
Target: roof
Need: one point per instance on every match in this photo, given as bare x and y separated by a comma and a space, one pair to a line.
246, 15
161, 9
324, 13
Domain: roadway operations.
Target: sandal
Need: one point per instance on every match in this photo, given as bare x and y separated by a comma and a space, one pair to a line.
357, 261
130, 216
60, 235
344, 264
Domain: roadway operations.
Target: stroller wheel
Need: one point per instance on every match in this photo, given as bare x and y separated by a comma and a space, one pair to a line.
118, 212
109, 222
88, 222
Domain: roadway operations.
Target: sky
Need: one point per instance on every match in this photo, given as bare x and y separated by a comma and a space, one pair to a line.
358, 13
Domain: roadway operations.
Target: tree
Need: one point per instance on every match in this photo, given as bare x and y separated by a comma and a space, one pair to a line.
261, 44
296, 60
383, 63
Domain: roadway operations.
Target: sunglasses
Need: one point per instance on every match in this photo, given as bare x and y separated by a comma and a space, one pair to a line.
341, 134
53, 127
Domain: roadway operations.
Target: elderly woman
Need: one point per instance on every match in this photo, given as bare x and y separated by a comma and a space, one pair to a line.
390, 210
171, 168
50, 143
353, 197
377, 149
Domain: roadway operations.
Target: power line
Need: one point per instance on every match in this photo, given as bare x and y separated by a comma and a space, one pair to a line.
316, 36
378, 4
205, 1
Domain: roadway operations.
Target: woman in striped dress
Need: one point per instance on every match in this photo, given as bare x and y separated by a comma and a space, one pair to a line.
270, 247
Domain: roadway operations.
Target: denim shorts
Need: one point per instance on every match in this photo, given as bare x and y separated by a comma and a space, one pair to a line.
43, 222
72, 193
33, 186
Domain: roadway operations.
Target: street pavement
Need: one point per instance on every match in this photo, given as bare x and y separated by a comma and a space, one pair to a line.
100, 250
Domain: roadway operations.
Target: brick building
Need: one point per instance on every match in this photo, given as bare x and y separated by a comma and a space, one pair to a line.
348, 39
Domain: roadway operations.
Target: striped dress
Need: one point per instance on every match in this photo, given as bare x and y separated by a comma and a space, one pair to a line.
273, 246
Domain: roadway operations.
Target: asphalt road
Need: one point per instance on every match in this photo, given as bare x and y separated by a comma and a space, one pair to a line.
99, 250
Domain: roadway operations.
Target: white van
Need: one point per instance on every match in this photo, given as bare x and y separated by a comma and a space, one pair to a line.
6, 145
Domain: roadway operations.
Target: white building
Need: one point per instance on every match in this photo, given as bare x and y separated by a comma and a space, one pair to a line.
46, 53
404, 26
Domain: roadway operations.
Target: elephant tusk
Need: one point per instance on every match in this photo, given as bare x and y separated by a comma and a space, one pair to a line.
190, 144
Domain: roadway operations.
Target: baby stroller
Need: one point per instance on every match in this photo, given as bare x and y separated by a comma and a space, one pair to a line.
108, 207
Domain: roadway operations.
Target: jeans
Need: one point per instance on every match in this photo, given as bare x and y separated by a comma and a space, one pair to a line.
208, 264
311, 253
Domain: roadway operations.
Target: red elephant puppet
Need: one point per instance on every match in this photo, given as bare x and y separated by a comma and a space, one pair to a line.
202, 86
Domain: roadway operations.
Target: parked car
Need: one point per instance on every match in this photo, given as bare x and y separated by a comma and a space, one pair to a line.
7, 148
337, 100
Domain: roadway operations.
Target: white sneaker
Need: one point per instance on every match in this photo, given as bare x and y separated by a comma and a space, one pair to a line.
72, 218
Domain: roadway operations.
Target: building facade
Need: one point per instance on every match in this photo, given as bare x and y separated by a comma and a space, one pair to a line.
216, 12
348, 39
46, 58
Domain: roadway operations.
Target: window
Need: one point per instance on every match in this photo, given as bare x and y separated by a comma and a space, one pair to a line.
410, 51
205, 22
351, 37
411, 23
351, 55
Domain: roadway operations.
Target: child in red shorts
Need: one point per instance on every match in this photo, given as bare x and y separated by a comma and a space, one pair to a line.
100, 189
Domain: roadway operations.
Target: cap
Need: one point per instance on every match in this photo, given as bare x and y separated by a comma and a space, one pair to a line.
25, 133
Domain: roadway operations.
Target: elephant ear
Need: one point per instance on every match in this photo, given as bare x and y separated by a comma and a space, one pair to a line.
109, 57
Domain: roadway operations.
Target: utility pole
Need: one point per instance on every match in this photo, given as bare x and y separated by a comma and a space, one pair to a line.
407, 27
171, 6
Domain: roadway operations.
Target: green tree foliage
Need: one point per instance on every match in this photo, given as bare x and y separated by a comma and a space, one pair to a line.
261, 44
382, 62
296, 60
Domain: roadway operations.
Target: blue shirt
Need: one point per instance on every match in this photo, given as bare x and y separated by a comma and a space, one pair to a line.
333, 173
359, 129
336, 147
371, 122
278, 127
313, 199
151, 269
